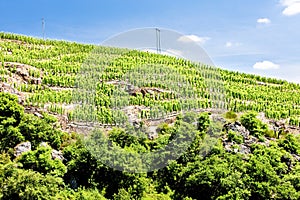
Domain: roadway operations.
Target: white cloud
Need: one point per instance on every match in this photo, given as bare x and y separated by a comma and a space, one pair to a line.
228, 44
292, 7
193, 38
264, 21
231, 44
265, 65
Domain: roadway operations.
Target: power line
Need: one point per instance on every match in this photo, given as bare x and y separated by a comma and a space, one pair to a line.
158, 41
43, 27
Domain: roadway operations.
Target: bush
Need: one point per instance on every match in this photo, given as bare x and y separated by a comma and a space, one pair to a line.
10, 109
11, 114
190, 117
254, 125
235, 137
17, 127
290, 144
41, 161
27, 184
163, 128
38, 130
230, 115
203, 122
270, 134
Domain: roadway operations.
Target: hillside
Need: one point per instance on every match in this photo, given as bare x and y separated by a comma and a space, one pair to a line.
62, 91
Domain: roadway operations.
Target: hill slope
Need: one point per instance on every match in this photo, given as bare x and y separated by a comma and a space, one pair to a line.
85, 86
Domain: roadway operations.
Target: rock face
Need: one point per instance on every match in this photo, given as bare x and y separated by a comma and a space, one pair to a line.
5, 87
218, 118
297, 157
54, 153
153, 135
57, 155
248, 140
38, 115
22, 70
237, 127
232, 146
44, 144
245, 149
22, 148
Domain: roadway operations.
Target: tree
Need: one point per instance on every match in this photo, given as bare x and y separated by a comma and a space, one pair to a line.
11, 112
203, 122
41, 161
26, 184
254, 125
16, 183
38, 130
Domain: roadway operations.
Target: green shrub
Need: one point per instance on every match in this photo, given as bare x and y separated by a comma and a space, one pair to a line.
203, 121
230, 115
163, 128
290, 144
41, 161
256, 127
10, 109
235, 137
38, 130
270, 134
190, 117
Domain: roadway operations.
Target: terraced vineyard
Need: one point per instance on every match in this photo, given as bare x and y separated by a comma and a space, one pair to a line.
68, 88
46, 73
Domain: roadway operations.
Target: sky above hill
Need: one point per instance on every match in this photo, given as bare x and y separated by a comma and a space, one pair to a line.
253, 36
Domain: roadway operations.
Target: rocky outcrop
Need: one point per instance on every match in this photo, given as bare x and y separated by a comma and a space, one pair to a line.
248, 140
218, 118
145, 91
54, 153
297, 157
22, 148
237, 127
232, 146
23, 70
44, 144
152, 135
57, 155
5, 87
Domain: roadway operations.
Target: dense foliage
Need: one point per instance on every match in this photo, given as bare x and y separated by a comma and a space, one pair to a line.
267, 173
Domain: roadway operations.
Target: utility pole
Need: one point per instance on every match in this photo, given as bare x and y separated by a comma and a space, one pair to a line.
43, 28
158, 42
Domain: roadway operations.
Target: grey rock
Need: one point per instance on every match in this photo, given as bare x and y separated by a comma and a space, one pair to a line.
217, 118
228, 148
38, 115
136, 124
251, 141
22, 148
152, 136
296, 157
237, 127
44, 144
237, 123
236, 150
244, 149
57, 155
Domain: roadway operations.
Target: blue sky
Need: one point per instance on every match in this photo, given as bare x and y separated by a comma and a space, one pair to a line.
255, 36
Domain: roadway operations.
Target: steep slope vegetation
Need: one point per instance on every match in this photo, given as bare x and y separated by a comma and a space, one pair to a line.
52, 90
